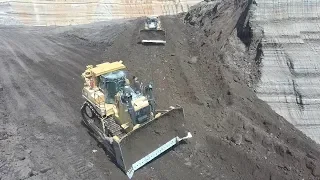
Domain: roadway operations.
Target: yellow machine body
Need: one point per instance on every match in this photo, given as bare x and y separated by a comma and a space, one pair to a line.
125, 121
96, 96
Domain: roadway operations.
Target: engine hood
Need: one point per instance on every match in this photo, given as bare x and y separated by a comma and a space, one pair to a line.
152, 25
140, 103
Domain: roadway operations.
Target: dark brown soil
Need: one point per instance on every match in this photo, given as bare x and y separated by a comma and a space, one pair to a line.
235, 135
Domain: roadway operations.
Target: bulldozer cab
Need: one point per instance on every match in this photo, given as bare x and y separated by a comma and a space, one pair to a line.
126, 100
152, 22
112, 83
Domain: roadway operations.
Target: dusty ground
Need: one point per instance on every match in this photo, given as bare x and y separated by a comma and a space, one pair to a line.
203, 67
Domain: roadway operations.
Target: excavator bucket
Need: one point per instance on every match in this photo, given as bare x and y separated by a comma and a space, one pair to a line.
150, 140
152, 36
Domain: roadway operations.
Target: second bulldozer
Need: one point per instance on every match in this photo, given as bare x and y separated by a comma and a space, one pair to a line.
125, 119
153, 32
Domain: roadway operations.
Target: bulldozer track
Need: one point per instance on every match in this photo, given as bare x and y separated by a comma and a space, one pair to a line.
92, 109
112, 127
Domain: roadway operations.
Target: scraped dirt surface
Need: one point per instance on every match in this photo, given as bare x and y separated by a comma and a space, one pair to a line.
204, 67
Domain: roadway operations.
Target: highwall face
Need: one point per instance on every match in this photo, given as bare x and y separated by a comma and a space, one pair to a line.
73, 12
290, 80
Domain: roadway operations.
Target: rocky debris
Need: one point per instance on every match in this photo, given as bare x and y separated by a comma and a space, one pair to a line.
188, 163
279, 148
248, 138
316, 170
44, 170
20, 152
203, 14
24, 173
3, 162
312, 156
237, 138
3, 135
193, 60
20, 156
314, 166
39, 136
29, 151
267, 143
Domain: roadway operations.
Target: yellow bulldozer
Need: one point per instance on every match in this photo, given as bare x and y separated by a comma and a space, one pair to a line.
153, 33
125, 120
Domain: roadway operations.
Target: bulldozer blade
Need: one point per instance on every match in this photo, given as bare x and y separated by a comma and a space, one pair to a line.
153, 36
152, 139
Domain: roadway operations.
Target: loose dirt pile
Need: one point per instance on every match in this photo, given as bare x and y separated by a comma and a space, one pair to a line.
207, 66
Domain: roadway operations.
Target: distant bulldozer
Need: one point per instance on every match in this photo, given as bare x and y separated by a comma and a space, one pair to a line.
153, 32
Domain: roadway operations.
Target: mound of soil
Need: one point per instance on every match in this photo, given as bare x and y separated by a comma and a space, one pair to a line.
208, 66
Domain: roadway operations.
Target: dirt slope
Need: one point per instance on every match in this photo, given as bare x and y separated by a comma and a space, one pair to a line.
236, 136
41, 134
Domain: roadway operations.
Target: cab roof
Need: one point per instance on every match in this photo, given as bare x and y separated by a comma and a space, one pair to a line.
153, 17
107, 67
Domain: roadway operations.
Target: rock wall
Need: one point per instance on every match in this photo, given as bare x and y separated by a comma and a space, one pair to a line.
72, 12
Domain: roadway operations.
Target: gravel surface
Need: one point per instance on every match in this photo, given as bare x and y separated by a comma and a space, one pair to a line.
236, 135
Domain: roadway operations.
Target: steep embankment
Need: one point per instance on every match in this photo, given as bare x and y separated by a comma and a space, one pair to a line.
236, 135
211, 57
291, 66
277, 149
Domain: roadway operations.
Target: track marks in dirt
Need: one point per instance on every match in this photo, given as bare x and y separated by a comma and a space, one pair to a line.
82, 167
39, 111
157, 63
